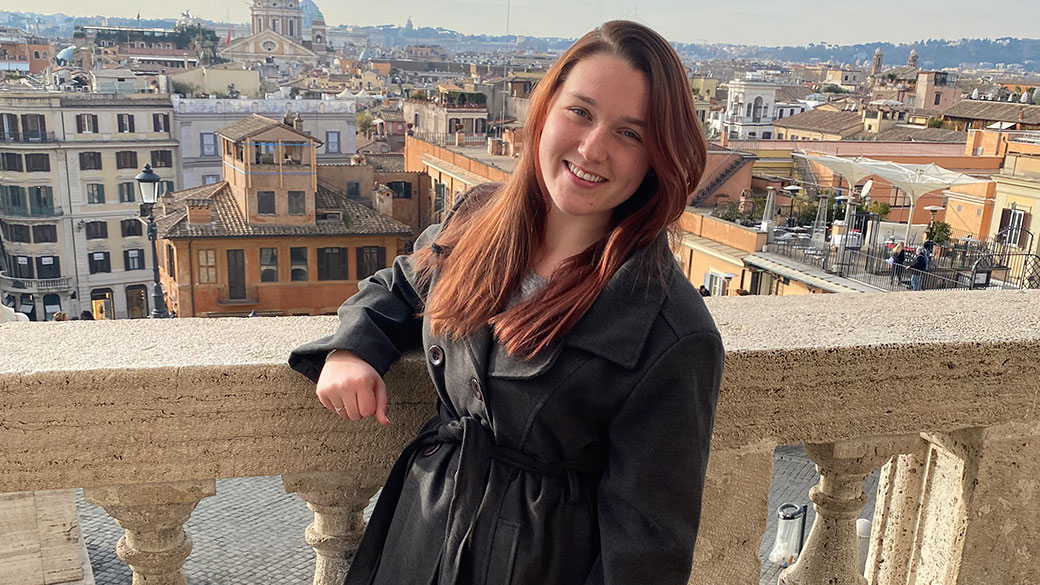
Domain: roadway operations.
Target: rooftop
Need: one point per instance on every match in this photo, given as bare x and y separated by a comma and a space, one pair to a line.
994, 111
822, 121
255, 124
229, 221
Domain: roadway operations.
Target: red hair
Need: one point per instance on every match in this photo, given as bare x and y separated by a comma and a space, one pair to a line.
486, 248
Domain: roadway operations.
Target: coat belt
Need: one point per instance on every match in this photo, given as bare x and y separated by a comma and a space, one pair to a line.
471, 500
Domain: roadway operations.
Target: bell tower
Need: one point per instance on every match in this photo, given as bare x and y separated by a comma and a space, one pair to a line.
284, 17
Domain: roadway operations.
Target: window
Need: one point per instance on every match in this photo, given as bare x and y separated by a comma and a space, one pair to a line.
401, 189
87, 124
21, 267
938, 98
332, 142
369, 260
162, 158
207, 267
268, 264
265, 202
131, 227
90, 161
126, 159
97, 230
210, 179
297, 203
298, 264
715, 283
48, 267
353, 189
332, 264
95, 193
45, 233
42, 197
125, 122
38, 162
34, 127
99, 262
160, 122
171, 265
167, 187
208, 144
11, 161
18, 233
126, 192
133, 259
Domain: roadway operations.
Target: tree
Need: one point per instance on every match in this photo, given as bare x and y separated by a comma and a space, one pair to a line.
364, 122
935, 123
939, 232
232, 92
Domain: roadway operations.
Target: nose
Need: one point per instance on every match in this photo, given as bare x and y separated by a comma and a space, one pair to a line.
593, 147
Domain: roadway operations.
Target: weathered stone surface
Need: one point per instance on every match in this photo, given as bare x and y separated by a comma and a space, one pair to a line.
727, 543
39, 538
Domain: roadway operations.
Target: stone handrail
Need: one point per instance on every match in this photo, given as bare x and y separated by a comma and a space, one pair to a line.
939, 387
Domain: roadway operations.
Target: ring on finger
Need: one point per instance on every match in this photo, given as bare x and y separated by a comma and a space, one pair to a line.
340, 408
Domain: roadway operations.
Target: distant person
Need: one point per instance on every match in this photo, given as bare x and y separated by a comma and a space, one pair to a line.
921, 264
898, 260
704, 291
61, 316
86, 316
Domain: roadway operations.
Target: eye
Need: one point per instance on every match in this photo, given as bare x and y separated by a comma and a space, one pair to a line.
580, 112
631, 134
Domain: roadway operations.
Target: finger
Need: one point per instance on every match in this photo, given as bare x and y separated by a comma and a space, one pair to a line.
350, 406
366, 401
324, 400
381, 403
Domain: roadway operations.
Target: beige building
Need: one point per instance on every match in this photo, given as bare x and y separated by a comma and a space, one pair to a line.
217, 80
69, 203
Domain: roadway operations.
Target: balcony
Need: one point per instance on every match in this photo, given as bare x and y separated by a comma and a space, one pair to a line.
27, 137
249, 296
30, 212
937, 389
35, 285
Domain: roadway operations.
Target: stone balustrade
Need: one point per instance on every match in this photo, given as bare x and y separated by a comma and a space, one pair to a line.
939, 389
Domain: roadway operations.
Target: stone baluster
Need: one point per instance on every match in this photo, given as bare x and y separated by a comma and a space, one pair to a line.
153, 515
338, 500
829, 555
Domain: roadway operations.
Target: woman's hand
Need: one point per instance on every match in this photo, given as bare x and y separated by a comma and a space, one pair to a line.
351, 388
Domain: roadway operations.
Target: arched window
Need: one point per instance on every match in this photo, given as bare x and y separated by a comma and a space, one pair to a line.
759, 106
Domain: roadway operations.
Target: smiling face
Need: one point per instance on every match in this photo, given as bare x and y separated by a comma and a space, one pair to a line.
591, 153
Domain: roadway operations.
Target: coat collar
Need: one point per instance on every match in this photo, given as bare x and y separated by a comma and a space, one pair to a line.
617, 324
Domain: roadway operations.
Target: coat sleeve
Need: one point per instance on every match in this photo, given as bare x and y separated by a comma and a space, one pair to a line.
649, 498
378, 323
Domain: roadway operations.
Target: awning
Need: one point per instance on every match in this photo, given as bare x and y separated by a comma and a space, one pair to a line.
459, 173
784, 266
1000, 125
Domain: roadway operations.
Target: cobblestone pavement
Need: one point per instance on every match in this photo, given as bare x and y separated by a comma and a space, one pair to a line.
251, 532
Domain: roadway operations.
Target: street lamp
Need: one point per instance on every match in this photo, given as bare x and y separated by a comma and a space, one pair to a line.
149, 183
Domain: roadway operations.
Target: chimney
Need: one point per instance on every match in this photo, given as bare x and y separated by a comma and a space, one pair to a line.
200, 210
297, 122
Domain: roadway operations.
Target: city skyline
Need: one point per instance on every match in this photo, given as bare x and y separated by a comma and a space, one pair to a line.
753, 23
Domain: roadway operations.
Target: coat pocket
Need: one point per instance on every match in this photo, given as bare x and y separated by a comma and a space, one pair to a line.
503, 553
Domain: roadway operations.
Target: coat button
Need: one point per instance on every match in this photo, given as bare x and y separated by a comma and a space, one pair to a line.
474, 385
431, 449
435, 355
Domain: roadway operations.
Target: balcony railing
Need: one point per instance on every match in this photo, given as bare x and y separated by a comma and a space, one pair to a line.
939, 390
28, 137
35, 285
22, 211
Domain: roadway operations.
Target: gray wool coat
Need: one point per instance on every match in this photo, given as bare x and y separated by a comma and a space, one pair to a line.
583, 465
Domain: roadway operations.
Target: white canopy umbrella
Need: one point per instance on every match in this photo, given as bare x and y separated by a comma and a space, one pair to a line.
914, 179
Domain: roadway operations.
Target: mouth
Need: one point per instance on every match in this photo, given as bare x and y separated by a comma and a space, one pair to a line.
583, 174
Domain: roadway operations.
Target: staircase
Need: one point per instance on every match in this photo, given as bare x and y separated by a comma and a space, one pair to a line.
805, 174
708, 188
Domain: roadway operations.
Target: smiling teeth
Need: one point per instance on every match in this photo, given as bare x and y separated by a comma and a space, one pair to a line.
587, 176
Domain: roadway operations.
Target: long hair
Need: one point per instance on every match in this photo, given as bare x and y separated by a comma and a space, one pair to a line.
485, 250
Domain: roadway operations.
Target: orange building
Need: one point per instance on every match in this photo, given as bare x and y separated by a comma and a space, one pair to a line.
269, 239
22, 52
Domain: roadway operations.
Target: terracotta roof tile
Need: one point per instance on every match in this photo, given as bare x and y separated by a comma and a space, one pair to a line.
994, 111
230, 222
821, 121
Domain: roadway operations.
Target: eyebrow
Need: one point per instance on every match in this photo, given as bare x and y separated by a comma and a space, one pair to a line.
592, 102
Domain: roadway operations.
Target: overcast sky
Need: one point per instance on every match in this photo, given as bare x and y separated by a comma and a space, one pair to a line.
762, 22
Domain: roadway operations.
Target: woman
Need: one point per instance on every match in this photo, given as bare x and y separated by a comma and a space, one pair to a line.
577, 370
898, 257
